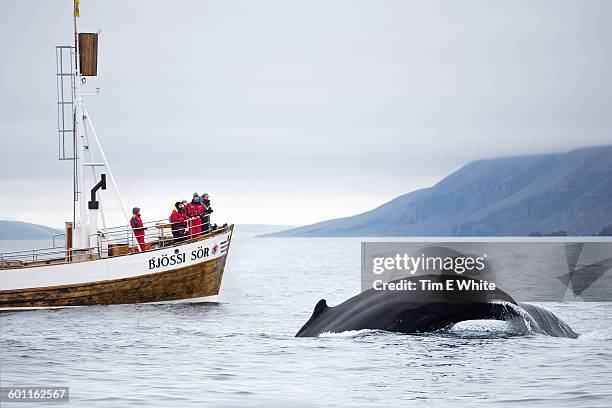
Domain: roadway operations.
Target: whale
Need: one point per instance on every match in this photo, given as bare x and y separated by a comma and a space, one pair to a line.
431, 310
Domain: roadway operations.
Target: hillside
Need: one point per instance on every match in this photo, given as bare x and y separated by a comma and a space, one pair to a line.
16, 230
512, 196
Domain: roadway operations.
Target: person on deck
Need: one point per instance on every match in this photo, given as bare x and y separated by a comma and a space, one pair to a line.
185, 215
138, 227
195, 210
205, 199
177, 221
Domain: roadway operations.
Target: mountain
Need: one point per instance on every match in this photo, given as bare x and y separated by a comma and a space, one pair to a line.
15, 230
511, 196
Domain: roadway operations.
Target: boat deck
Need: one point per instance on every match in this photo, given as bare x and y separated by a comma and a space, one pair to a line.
112, 243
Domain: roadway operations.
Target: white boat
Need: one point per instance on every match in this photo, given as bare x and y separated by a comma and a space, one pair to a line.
102, 265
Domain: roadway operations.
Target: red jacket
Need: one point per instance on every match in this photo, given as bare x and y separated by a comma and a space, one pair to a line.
139, 231
177, 220
137, 225
195, 209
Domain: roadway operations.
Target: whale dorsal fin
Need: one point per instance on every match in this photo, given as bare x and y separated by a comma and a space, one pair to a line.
319, 308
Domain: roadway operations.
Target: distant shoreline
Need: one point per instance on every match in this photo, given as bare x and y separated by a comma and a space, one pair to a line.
13, 230
21, 230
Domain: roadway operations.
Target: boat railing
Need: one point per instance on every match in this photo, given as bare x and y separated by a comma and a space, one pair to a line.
18, 258
158, 232
111, 242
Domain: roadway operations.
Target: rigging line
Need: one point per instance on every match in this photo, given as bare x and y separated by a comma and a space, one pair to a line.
110, 174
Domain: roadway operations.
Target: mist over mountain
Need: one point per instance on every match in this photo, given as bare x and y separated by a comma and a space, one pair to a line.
511, 196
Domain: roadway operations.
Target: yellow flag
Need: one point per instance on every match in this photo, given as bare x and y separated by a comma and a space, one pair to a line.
76, 8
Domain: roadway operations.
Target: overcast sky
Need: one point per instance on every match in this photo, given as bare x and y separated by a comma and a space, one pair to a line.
290, 112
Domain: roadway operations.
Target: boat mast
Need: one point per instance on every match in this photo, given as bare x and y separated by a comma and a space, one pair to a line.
74, 145
85, 215
81, 147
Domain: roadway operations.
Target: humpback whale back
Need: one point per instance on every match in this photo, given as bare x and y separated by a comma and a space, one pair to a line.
427, 310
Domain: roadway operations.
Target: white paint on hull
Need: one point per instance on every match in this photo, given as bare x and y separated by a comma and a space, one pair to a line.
119, 267
209, 299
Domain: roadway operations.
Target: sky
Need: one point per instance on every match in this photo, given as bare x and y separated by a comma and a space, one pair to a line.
290, 112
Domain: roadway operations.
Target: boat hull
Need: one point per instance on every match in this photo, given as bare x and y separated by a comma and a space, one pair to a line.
195, 280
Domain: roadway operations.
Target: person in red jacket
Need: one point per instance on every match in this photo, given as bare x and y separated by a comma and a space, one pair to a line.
183, 212
195, 210
177, 221
138, 227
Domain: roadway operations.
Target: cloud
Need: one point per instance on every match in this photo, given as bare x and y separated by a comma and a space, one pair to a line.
391, 96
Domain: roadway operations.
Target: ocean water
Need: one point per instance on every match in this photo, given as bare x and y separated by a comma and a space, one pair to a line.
241, 351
